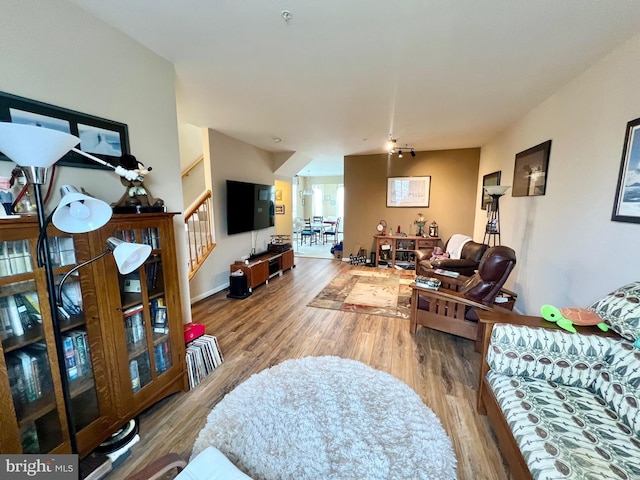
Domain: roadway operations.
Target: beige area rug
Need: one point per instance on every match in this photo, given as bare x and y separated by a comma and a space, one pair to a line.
370, 290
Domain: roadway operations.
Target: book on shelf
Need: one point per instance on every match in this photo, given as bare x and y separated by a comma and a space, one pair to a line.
27, 319
17, 383
29, 439
135, 375
29, 376
160, 320
10, 309
18, 257
134, 324
162, 353
78, 341
70, 357
144, 369
153, 272
71, 297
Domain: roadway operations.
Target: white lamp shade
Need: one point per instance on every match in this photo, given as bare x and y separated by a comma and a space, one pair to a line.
497, 189
128, 256
79, 213
31, 146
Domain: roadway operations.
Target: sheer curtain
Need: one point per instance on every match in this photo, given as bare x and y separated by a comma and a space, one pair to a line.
317, 201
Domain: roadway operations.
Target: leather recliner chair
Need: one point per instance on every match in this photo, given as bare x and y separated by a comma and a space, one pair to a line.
452, 310
466, 265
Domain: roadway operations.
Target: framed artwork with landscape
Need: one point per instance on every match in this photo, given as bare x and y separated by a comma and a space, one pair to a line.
530, 171
626, 207
408, 191
489, 180
100, 137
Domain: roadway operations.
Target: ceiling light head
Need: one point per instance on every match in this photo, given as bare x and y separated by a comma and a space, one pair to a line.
391, 145
399, 153
413, 154
277, 139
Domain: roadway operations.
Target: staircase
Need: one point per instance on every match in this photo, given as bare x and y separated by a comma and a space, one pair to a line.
198, 225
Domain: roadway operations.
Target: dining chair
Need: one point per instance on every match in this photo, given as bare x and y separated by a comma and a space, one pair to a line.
333, 230
307, 232
317, 226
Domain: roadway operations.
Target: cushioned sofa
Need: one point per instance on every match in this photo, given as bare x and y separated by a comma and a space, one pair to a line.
466, 265
566, 405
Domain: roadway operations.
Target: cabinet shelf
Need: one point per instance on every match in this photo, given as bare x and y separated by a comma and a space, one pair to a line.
393, 250
17, 342
36, 409
81, 385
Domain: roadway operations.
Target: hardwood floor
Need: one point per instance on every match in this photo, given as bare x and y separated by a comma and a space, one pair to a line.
274, 324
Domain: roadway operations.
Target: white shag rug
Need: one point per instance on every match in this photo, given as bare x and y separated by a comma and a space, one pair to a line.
328, 418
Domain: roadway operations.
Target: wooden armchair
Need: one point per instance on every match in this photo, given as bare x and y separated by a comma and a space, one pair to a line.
452, 308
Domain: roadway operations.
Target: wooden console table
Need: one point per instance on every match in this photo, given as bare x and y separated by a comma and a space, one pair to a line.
396, 250
263, 267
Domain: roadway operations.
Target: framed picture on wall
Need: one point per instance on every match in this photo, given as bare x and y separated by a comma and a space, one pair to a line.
626, 207
488, 180
279, 209
530, 171
100, 137
408, 191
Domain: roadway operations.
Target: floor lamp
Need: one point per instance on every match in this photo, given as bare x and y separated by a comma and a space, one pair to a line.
492, 229
35, 149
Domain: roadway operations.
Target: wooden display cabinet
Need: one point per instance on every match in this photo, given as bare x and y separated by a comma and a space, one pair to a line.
397, 250
32, 404
145, 313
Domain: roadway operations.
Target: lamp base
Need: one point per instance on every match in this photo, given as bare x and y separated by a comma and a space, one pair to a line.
138, 209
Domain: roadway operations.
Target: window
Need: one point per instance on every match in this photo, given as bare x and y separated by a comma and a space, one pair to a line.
340, 201
317, 201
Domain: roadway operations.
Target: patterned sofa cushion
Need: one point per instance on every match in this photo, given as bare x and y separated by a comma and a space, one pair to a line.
619, 384
547, 354
566, 432
621, 310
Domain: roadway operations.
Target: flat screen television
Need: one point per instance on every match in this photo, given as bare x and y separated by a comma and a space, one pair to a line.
249, 207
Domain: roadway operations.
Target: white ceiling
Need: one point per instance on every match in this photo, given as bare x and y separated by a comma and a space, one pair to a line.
341, 75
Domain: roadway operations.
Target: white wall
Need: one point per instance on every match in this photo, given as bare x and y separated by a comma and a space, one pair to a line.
230, 159
54, 52
569, 251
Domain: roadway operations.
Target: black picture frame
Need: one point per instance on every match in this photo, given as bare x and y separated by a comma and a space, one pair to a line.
626, 207
105, 139
530, 171
488, 180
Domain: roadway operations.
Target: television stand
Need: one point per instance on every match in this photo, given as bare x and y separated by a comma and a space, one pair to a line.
263, 267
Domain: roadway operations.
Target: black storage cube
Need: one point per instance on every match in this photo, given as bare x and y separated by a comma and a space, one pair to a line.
238, 287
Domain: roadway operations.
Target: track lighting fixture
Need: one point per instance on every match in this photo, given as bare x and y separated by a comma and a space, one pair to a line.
392, 144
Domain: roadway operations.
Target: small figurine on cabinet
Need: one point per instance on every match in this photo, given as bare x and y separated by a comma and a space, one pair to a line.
420, 222
137, 198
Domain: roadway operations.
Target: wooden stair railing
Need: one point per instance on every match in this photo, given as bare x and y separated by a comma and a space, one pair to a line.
197, 220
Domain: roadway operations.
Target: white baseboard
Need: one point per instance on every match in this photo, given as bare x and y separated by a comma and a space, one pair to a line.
208, 293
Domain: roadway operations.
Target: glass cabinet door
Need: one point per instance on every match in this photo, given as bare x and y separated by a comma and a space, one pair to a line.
26, 352
144, 312
73, 327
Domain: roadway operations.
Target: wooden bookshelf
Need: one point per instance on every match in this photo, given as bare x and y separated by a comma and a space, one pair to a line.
99, 352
